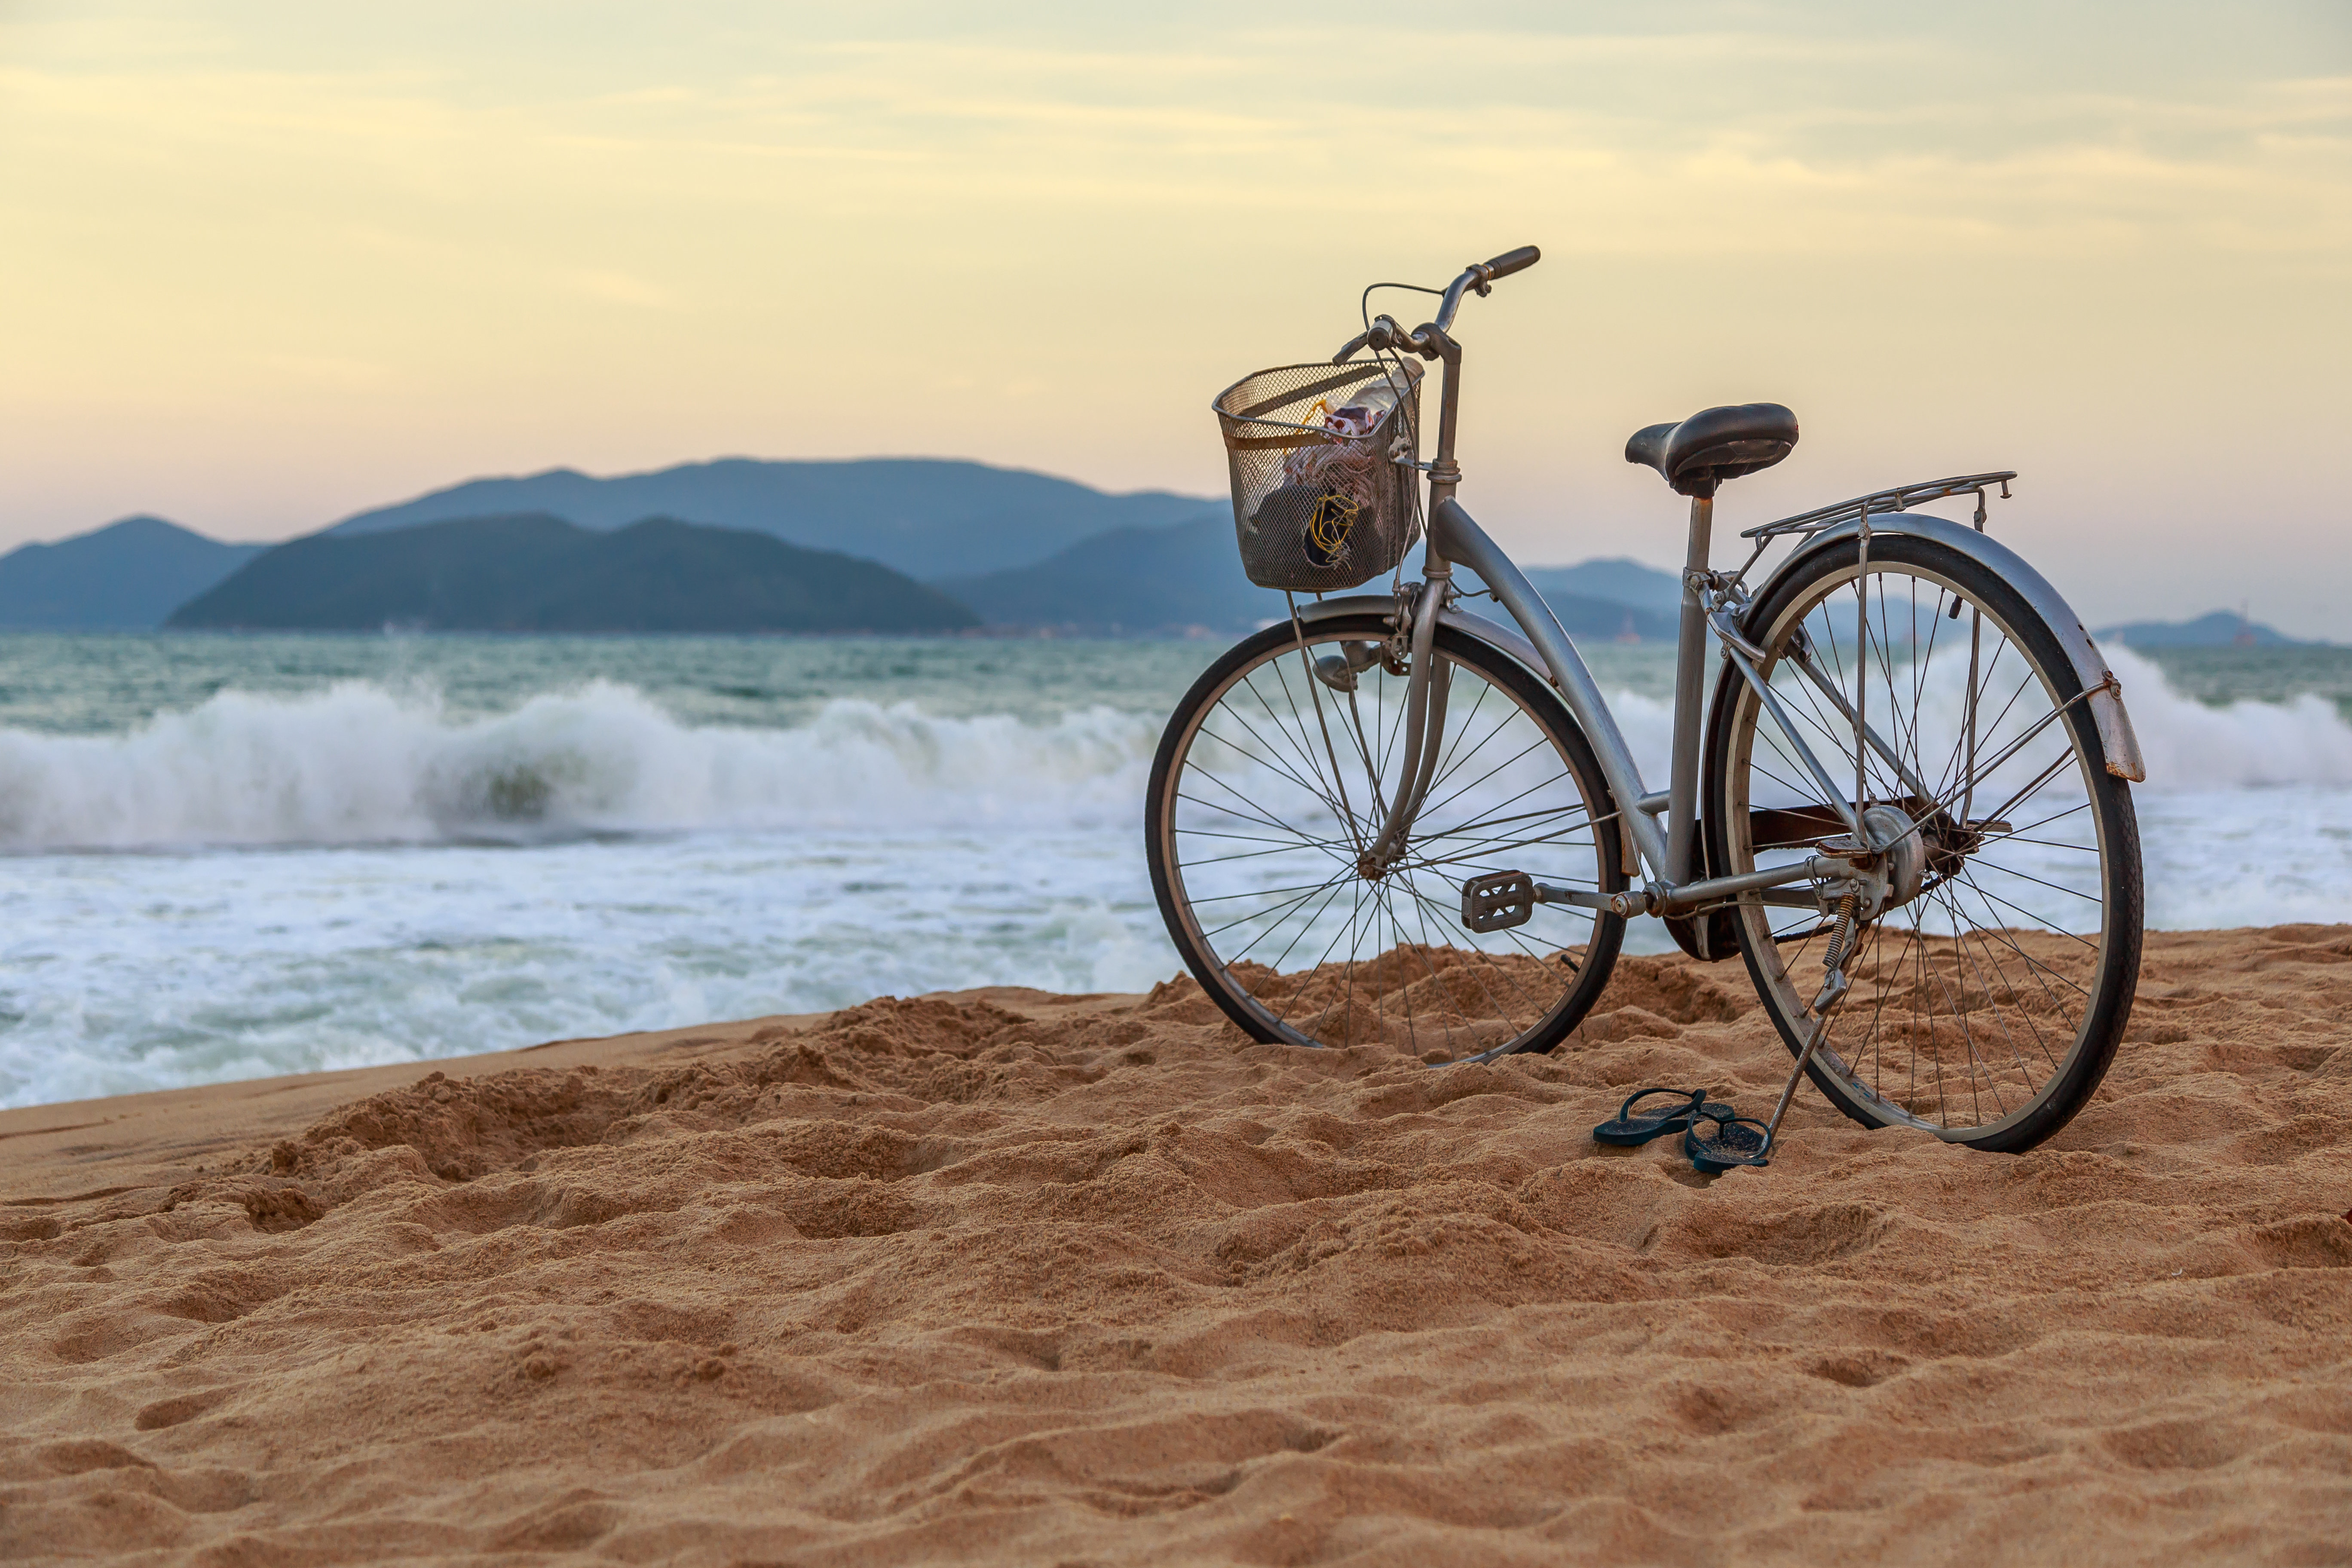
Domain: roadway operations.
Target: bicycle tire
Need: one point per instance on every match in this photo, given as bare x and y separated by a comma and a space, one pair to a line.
1936, 988
1454, 995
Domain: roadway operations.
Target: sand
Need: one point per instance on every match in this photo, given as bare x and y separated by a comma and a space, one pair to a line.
1008, 1277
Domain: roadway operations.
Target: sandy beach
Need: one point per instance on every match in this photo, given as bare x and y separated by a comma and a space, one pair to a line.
1003, 1276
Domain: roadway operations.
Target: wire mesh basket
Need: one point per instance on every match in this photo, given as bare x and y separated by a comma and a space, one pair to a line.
1322, 459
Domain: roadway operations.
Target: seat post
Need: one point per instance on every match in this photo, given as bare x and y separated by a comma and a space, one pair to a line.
1690, 682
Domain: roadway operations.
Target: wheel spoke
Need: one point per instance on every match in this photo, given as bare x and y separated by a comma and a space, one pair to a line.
1261, 837
1970, 1005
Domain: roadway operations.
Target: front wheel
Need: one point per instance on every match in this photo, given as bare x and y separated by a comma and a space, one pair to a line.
1265, 800
1987, 1003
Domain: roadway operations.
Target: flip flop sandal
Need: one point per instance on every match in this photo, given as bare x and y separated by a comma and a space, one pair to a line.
1736, 1141
1629, 1128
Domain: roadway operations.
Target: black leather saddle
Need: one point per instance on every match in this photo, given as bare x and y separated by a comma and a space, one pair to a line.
1716, 445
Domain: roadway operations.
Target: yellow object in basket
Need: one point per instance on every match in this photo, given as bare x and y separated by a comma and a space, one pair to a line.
1327, 527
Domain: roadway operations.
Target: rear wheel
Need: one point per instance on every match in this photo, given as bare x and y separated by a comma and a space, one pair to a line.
1267, 792
1986, 1008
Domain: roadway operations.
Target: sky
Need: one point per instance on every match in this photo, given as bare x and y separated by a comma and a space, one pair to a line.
265, 264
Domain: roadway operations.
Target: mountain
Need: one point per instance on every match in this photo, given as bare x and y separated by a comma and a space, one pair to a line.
1582, 613
1618, 580
1021, 548
127, 574
1598, 620
534, 572
1128, 580
1189, 575
927, 517
2218, 629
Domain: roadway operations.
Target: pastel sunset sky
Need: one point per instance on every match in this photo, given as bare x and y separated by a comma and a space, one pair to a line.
267, 263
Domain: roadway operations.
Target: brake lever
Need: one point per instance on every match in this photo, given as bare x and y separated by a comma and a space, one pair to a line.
1386, 334
1397, 338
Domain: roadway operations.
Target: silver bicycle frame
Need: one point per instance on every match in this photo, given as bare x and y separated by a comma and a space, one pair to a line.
1671, 854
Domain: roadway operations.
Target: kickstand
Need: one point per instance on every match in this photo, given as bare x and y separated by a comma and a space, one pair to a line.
1739, 1141
1834, 987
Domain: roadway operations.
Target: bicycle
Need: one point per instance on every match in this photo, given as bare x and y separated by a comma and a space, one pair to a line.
1388, 820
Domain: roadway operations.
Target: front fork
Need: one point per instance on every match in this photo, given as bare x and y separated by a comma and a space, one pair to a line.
1427, 684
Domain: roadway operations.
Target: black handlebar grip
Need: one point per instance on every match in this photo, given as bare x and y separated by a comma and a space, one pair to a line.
1512, 261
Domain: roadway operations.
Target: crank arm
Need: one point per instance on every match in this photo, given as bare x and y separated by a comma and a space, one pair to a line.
1578, 897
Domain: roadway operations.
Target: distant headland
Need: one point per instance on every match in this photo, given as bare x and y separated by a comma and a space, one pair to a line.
887, 544
535, 573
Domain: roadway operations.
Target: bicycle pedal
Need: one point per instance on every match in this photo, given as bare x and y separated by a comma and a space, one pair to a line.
1498, 900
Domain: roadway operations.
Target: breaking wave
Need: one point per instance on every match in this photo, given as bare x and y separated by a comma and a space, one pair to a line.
2189, 745
356, 764
360, 763
2245, 745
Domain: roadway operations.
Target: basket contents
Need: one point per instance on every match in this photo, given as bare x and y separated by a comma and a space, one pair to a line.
1321, 458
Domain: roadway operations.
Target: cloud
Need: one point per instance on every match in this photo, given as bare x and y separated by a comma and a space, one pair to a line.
604, 234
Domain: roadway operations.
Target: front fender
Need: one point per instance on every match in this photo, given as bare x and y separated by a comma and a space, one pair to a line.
1505, 638
2116, 736
1494, 635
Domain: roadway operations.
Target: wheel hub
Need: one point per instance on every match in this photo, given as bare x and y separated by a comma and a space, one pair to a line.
1903, 864
1886, 877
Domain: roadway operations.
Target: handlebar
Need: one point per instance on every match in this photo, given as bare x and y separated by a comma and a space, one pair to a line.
1512, 261
1478, 277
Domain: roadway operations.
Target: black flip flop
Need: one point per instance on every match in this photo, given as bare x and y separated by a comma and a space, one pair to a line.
1736, 1141
1627, 1129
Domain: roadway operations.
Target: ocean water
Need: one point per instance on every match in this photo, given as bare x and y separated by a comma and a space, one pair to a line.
232, 856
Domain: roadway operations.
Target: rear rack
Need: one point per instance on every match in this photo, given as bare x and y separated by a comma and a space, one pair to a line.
1903, 498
